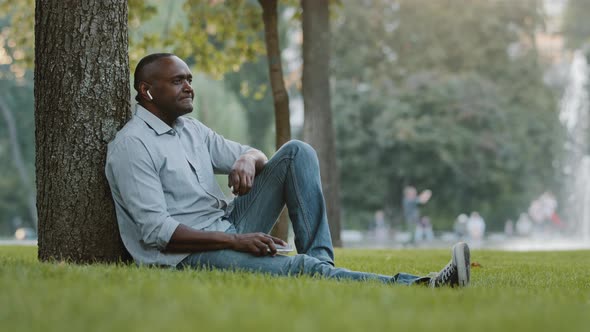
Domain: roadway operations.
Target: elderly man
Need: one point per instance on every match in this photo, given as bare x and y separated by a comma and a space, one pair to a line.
171, 212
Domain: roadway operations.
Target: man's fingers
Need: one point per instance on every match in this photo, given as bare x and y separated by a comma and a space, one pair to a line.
259, 249
241, 184
254, 249
250, 181
262, 247
260, 244
231, 179
245, 184
234, 181
271, 246
277, 240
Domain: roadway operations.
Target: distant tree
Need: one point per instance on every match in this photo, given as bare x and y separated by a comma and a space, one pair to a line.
81, 100
318, 127
279, 93
252, 88
441, 94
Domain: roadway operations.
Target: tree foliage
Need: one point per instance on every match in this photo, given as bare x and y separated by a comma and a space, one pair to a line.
250, 85
445, 95
440, 94
576, 25
149, 32
18, 32
215, 36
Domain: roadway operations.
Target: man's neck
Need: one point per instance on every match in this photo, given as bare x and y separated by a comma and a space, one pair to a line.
166, 118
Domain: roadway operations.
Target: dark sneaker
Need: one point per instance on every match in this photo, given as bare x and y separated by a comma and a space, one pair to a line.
456, 273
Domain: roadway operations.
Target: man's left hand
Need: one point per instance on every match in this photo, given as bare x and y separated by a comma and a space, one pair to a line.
241, 177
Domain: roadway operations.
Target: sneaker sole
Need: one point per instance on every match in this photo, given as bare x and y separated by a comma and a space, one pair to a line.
461, 261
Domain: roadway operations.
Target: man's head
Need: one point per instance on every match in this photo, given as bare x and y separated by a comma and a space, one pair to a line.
163, 85
410, 192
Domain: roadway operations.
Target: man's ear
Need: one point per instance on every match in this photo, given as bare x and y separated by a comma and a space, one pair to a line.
144, 91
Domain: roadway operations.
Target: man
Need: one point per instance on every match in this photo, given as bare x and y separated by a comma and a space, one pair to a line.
171, 211
411, 210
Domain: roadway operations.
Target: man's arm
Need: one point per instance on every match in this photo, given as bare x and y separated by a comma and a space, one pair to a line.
424, 196
186, 239
136, 187
241, 162
241, 176
130, 169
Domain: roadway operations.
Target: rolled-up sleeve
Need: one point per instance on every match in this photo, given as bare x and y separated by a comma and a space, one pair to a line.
223, 152
137, 190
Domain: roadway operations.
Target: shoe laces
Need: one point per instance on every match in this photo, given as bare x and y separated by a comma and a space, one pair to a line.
443, 276
447, 272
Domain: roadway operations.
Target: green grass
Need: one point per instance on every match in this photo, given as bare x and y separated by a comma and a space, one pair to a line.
540, 291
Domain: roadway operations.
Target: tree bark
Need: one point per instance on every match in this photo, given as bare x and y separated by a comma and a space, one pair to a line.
81, 101
279, 93
318, 129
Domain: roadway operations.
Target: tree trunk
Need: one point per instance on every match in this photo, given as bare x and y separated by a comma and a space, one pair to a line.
81, 100
279, 93
318, 129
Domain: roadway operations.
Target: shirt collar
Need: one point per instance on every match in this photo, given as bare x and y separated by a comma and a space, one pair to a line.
157, 125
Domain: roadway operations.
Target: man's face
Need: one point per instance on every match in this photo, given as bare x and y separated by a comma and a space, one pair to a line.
171, 86
411, 193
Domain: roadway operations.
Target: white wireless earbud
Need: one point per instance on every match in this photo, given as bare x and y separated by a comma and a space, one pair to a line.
150, 95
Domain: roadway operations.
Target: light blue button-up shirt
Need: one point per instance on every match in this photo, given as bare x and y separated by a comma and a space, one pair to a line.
161, 177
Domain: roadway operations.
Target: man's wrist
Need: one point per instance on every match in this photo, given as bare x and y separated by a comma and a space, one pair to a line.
247, 157
231, 241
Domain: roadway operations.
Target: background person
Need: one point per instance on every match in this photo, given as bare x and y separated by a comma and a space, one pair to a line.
411, 209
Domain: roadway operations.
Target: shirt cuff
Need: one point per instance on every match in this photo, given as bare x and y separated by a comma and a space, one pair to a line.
166, 232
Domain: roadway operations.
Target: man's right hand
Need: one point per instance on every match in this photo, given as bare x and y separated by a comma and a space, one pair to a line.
425, 196
185, 239
258, 244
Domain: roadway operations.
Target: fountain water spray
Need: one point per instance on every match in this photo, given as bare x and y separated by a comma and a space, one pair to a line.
574, 116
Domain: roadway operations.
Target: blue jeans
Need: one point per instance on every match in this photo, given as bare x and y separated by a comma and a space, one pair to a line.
290, 177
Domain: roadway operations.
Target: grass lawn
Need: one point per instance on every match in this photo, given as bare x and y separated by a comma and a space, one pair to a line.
539, 291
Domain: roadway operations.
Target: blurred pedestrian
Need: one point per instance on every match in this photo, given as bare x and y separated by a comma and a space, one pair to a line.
410, 205
509, 228
460, 226
476, 227
423, 230
381, 229
524, 226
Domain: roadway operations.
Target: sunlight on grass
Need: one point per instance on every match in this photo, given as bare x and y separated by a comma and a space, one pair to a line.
510, 292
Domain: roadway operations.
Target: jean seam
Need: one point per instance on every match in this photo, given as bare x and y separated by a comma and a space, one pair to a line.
243, 213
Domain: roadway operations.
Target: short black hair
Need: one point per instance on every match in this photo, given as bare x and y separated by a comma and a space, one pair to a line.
146, 60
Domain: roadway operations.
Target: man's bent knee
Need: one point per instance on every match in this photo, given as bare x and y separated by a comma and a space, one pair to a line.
297, 146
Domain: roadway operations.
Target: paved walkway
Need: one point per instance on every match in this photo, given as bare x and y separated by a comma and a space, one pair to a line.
18, 242
509, 244
495, 241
